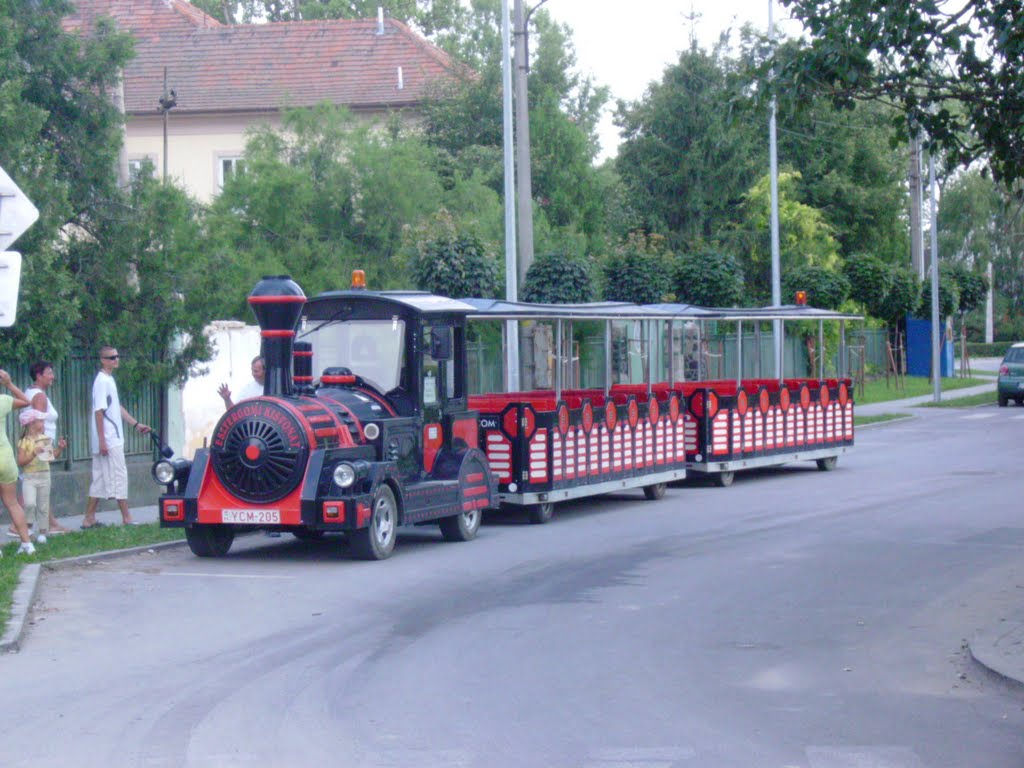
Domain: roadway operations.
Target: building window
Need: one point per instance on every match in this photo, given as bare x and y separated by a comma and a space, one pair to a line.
228, 166
137, 165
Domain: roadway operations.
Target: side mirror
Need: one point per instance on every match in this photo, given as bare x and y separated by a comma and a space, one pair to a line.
440, 342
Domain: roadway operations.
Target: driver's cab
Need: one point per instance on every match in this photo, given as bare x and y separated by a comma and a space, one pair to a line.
409, 348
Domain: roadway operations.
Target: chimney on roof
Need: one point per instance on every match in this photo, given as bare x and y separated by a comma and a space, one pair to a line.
380, 20
401, 81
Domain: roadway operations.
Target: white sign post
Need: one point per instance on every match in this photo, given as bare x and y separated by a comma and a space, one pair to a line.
16, 215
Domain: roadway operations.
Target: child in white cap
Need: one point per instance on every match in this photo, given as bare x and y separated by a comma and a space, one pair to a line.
35, 452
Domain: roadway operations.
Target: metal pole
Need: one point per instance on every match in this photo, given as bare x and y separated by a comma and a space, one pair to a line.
936, 331
558, 359
511, 285
739, 353
821, 349
607, 356
523, 174
773, 163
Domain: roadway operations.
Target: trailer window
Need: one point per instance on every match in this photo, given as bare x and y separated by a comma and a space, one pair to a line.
373, 349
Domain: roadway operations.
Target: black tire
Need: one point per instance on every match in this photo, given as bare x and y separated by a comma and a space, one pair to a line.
541, 513
655, 492
1020, 401
308, 534
827, 464
1003, 400
377, 540
210, 540
724, 479
461, 527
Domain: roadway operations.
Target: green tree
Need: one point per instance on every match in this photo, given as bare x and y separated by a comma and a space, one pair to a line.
708, 278
59, 137
556, 279
450, 263
148, 282
956, 73
637, 271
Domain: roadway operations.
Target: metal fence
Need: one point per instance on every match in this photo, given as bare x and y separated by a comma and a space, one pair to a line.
71, 395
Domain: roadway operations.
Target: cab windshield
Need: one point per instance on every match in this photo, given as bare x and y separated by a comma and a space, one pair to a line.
372, 349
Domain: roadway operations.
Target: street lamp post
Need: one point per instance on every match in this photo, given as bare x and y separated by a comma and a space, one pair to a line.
167, 102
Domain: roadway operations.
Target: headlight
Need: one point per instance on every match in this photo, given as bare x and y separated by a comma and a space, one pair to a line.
163, 472
344, 475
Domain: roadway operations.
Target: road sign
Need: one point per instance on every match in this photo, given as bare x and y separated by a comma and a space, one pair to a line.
10, 278
16, 211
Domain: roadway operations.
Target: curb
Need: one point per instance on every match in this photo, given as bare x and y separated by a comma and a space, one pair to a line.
28, 587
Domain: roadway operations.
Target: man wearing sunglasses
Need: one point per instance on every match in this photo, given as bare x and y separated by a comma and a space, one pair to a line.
106, 441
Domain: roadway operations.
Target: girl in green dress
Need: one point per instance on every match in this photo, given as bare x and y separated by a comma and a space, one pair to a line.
9, 465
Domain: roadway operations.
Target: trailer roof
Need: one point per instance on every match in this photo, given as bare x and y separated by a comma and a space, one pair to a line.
495, 309
418, 301
784, 312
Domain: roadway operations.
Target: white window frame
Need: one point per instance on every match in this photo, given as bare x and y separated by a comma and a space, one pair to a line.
135, 164
237, 162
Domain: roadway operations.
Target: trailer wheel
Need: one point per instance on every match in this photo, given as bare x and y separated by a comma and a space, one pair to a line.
655, 492
724, 479
541, 513
209, 540
827, 464
308, 534
461, 527
377, 540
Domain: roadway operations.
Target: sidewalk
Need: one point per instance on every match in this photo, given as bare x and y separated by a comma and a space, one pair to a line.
907, 404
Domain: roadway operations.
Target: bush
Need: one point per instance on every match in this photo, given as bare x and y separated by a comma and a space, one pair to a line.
636, 272
708, 279
557, 279
978, 349
455, 265
825, 288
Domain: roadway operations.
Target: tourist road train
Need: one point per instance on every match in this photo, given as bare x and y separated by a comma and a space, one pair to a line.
397, 428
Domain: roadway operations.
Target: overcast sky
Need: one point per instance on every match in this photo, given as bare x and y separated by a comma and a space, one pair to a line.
627, 45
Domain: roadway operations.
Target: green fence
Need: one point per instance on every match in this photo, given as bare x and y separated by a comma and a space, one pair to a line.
71, 395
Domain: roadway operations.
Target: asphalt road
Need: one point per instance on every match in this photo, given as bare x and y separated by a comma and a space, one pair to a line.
798, 619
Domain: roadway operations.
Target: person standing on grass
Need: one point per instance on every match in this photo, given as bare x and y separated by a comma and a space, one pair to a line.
106, 441
35, 452
42, 377
9, 466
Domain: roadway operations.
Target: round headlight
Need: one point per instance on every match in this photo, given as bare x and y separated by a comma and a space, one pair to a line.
163, 471
372, 431
344, 475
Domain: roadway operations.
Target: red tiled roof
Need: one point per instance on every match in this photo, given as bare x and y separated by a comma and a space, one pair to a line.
259, 67
141, 17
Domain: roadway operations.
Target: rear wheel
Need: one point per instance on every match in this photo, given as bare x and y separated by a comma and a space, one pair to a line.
724, 479
209, 540
377, 540
1003, 400
1020, 401
827, 464
541, 513
461, 527
655, 492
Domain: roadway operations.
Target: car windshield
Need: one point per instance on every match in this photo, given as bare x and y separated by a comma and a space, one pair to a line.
1015, 355
372, 349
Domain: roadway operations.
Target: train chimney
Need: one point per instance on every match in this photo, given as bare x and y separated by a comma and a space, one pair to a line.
277, 303
303, 367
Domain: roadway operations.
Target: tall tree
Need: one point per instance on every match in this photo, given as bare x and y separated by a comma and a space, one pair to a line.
955, 71
59, 137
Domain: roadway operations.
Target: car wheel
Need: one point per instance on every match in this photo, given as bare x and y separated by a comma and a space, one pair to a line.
1003, 400
377, 540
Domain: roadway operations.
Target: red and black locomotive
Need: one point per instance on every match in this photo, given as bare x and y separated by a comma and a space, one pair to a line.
384, 440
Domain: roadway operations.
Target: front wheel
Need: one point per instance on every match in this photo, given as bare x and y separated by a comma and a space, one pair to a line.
377, 540
209, 540
724, 479
655, 492
827, 464
541, 513
461, 527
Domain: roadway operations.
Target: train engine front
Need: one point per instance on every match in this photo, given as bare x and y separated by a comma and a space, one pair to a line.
342, 457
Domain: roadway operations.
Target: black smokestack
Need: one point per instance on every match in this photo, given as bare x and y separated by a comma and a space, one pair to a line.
277, 303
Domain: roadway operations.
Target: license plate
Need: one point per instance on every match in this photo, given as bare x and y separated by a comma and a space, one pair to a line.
251, 516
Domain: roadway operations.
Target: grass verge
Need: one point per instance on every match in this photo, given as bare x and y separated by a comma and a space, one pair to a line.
879, 390
968, 401
860, 421
75, 544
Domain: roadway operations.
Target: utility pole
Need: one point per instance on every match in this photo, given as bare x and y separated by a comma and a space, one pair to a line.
937, 332
511, 285
916, 229
524, 182
167, 102
122, 153
773, 166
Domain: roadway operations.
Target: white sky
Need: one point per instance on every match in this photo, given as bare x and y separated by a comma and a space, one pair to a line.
627, 45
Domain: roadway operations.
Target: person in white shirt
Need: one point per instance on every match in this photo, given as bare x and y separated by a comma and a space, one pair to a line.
106, 441
254, 388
